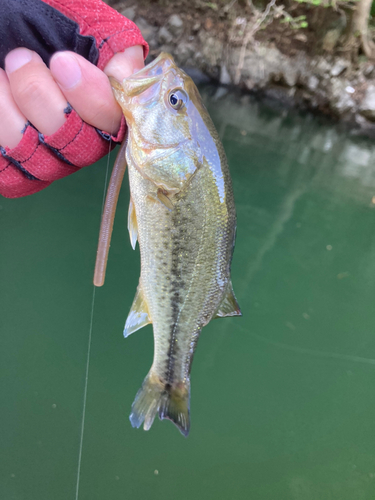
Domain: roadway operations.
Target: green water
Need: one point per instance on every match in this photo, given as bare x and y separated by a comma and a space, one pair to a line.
282, 404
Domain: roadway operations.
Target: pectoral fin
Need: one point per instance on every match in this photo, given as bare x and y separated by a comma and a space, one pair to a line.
138, 316
229, 305
132, 224
156, 166
163, 198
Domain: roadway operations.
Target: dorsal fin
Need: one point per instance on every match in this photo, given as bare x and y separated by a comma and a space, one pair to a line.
132, 224
138, 316
229, 305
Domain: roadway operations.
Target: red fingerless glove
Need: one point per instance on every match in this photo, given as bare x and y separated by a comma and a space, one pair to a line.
112, 31
37, 160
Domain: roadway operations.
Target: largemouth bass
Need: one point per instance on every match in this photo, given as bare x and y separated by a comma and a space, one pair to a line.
183, 216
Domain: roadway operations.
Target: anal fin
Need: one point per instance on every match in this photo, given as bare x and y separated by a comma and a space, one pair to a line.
229, 305
138, 316
132, 224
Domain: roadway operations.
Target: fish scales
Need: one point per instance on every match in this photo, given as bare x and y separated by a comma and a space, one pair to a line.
183, 215
182, 266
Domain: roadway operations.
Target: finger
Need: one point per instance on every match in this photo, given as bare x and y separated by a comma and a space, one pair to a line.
12, 121
34, 90
125, 63
87, 89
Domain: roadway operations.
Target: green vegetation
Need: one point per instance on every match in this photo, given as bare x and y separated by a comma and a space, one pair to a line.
295, 22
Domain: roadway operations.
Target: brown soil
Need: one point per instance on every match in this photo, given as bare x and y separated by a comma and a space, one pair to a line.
228, 24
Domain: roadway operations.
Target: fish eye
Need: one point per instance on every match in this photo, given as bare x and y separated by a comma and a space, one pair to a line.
177, 99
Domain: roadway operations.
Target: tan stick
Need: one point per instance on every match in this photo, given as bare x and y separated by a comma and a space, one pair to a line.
108, 216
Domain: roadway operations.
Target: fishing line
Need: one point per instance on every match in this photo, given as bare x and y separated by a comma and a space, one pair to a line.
89, 344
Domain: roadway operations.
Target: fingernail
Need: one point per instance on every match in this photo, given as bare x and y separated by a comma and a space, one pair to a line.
16, 59
65, 70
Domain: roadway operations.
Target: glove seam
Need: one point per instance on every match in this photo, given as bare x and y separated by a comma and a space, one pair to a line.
105, 40
18, 165
3, 170
74, 138
32, 154
57, 151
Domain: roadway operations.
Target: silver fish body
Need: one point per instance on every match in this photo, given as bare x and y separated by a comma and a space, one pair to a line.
182, 213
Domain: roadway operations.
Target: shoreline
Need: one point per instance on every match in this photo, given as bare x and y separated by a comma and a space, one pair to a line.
324, 83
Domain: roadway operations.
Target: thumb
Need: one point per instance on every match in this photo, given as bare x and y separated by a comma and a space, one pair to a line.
125, 63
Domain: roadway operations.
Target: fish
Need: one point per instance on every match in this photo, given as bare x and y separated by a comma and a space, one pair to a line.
182, 214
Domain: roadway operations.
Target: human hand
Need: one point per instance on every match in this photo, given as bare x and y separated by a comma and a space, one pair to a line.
30, 91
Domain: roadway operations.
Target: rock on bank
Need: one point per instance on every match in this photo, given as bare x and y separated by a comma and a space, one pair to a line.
326, 83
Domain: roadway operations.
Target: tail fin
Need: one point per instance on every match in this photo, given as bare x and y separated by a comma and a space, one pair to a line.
168, 401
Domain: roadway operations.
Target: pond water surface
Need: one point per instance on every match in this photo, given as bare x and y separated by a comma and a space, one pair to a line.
282, 404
